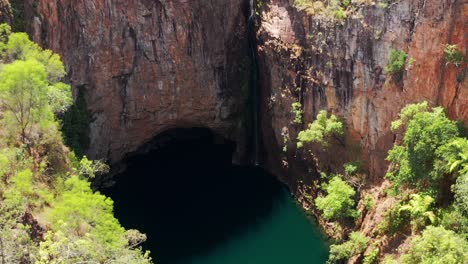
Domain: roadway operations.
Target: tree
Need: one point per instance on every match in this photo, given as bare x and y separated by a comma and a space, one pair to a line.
30, 87
23, 94
321, 130
356, 244
413, 161
418, 209
437, 245
460, 188
338, 202
83, 228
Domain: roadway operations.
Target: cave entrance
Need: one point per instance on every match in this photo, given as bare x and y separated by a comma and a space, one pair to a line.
195, 206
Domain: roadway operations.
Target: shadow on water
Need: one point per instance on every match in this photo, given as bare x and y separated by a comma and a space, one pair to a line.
188, 197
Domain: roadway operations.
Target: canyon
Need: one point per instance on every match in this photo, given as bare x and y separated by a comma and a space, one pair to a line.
147, 67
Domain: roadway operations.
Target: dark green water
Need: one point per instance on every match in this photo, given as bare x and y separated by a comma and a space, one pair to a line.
285, 237
198, 208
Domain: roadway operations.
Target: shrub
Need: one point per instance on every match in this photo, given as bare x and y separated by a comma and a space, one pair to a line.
369, 202
418, 209
453, 219
338, 202
340, 14
372, 256
298, 112
437, 245
356, 244
453, 55
414, 160
397, 61
460, 188
321, 130
394, 220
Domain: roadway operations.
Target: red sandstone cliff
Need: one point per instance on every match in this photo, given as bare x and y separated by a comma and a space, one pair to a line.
150, 65
339, 66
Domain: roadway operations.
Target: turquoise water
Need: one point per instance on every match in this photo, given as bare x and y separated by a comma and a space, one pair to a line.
196, 207
285, 237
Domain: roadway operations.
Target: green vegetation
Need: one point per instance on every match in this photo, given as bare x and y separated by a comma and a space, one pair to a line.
339, 202
321, 130
418, 209
356, 244
437, 245
313, 7
298, 112
419, 161
48, 211
369, 202
75, 126
396, 62
372, 256
453, 55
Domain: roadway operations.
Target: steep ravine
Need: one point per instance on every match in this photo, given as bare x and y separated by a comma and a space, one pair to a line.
338, 65
149, 66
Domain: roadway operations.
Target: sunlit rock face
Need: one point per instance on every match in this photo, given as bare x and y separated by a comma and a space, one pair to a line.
339, 66
151, 65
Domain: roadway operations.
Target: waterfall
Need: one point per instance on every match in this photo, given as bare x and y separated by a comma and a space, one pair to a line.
254, 83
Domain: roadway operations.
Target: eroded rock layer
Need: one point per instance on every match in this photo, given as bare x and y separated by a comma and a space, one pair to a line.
150, 65
339, 65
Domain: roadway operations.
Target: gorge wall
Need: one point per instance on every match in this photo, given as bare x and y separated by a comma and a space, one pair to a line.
151, 65
338, 65
148, 66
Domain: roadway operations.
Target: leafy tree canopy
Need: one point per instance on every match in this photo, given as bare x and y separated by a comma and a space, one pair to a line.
338, 202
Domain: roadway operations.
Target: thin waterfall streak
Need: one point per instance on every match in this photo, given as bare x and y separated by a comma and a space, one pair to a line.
254, 87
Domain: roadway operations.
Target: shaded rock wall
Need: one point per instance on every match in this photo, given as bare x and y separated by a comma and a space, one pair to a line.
151, 65
5, 12
339, 66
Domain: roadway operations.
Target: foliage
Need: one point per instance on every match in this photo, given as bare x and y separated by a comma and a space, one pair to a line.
372, 256
5, 32
413, 160
89, 217
17, 8
407, 113
453, 219
338, 202
460, 189
351, 168
418, 209
453, 55
30, 87
321, 130
313, 7
396, 62
75, 125
389, 259
437, 245
90, 168
369, 202
394, 220
23, 94
298, 112
340, 14
37, 178
356, 244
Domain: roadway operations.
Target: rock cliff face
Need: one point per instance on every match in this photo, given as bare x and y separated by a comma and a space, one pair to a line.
150, 65
339, 66
5, 12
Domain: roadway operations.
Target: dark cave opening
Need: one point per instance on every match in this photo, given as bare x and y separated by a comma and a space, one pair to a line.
184, 192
